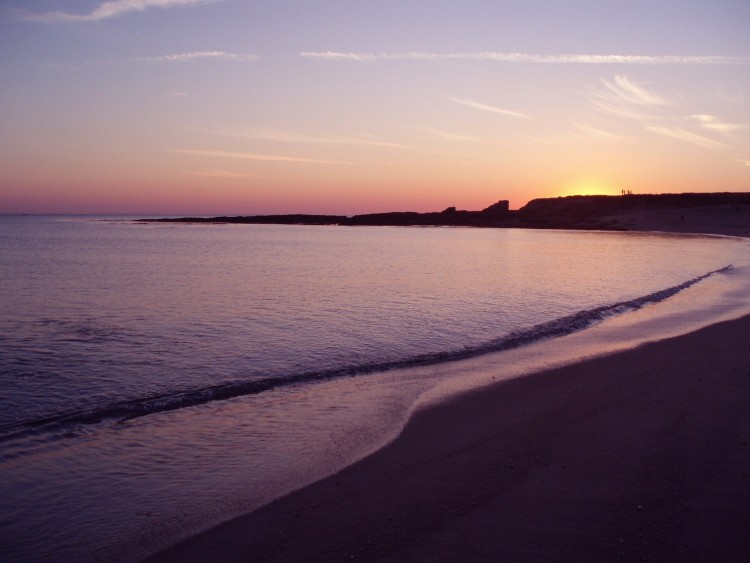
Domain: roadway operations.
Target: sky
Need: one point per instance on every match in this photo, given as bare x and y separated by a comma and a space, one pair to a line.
360, 106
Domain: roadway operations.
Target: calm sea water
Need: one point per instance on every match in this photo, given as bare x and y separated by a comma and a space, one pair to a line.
157, 379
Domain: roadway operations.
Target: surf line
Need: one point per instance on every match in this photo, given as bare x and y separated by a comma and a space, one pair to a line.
122, 411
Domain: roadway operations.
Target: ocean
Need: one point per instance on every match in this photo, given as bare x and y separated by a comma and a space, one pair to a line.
158, 379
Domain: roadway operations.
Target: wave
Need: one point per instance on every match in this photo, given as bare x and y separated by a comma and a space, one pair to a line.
121, 411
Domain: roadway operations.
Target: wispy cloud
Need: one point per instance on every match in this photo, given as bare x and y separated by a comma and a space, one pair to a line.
301, 138
715, 124
255, 156
743, 162
446, 135
626, 98
620, 110
488, 108
527, 58
622, 97
626, 90
688, 136
595, 132
195, 56
219, 174
114, 8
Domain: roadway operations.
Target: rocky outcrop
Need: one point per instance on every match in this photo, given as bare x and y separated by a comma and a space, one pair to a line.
599, 211
501, 207
572, 212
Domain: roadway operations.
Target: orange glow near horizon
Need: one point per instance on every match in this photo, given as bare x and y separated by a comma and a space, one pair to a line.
589, 187
360, 115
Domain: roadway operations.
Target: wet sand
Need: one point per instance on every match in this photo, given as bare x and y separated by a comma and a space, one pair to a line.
642, 455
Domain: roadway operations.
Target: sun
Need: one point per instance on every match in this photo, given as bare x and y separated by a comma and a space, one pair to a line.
590, 186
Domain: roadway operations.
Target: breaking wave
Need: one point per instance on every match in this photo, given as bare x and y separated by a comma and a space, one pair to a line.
71, 421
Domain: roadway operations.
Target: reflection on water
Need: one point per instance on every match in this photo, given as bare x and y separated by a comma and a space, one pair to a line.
101, 313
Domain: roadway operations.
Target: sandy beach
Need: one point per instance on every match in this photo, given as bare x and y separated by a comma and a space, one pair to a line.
642, 455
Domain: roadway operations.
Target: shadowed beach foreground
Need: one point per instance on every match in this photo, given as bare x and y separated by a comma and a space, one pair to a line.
643, 455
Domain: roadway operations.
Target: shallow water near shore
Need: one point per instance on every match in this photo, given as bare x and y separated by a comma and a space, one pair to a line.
158, 379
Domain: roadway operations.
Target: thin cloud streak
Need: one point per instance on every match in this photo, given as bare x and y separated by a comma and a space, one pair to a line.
220, 174
106, 10
682, 135
527, 58
714, 124
255, 156
595, 132
286, 137
627, 90
620, 111
488, 108
622, 97
446, 135
743, 162
195, 56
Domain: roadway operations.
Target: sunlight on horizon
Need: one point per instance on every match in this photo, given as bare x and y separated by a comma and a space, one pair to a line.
589, 187
262, 112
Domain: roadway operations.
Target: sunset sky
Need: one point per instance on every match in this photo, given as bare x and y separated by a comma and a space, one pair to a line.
357, 106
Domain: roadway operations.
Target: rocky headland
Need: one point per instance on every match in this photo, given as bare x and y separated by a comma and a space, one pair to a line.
724, 212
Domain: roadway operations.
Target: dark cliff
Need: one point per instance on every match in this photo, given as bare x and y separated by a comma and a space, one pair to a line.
572, 212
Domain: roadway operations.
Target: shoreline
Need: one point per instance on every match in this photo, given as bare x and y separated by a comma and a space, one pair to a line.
635, 455
592, 212
639, 454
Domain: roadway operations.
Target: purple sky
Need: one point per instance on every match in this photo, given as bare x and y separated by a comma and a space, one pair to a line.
354, 106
